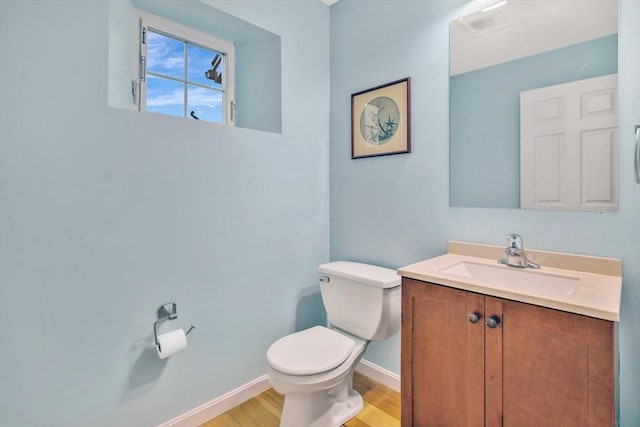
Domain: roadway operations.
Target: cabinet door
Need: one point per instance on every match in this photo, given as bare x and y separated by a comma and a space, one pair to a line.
546, 367
442, 373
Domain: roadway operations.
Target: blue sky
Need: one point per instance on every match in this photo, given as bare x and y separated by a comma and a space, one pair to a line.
165, 56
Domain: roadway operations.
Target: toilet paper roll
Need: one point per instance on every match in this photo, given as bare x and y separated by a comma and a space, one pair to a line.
171, 343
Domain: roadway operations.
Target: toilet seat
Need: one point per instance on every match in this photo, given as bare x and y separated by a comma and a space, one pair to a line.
311, 351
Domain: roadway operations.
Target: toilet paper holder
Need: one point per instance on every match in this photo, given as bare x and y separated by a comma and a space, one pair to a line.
168, 311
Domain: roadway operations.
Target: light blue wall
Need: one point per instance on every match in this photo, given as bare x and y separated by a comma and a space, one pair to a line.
395, 210
106, 213
258, 76
485, 117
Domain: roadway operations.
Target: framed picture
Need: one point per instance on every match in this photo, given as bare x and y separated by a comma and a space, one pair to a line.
381, 120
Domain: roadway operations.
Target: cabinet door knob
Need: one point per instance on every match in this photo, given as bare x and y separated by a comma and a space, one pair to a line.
474, 317
493, 321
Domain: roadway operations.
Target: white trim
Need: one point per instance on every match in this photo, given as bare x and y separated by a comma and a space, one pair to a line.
183, 32
219, 405
380, 374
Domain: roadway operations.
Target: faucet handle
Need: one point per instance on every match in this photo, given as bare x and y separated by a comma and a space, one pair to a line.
514, 241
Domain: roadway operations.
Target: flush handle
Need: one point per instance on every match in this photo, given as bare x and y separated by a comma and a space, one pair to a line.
474, 317
493, 321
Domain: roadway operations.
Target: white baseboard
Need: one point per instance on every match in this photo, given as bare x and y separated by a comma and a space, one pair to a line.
379, 374
222, 404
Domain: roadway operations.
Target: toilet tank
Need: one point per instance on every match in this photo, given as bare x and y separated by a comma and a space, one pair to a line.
361, 299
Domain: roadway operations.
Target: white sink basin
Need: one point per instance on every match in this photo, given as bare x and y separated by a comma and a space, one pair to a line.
513, 278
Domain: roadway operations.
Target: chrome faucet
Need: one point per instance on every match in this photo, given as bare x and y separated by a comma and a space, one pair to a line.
515, 253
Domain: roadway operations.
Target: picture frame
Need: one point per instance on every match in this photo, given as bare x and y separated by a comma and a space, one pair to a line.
381, 120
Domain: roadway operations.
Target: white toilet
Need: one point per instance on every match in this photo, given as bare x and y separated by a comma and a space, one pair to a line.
314, 368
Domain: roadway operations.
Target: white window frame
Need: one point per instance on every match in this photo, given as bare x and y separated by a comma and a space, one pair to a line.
145, 20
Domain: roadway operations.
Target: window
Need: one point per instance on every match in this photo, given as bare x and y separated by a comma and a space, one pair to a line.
183, 72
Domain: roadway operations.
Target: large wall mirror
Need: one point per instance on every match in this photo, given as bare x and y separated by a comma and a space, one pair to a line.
533, 105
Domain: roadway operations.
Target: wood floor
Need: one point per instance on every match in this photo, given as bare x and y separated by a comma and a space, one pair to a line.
381, 408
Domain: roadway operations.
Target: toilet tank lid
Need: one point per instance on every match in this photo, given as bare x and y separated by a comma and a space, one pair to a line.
372, 275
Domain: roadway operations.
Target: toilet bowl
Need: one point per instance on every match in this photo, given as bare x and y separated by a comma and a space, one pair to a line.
314, 368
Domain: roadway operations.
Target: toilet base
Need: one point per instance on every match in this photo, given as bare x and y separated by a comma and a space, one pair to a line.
321, 409
323, 400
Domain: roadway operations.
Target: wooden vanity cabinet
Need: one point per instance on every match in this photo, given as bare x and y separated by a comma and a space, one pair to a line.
531, 366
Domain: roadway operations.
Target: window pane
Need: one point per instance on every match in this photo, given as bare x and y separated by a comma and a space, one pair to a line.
165, 96
205, 66
206, 104
165, 55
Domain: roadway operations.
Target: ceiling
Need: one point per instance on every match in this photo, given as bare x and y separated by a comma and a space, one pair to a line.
525, 27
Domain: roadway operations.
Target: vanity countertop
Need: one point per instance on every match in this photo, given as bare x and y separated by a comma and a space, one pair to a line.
593, 284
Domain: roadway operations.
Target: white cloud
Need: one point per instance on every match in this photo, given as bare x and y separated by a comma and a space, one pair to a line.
166, 99
204, 97
163, 52
198, 97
